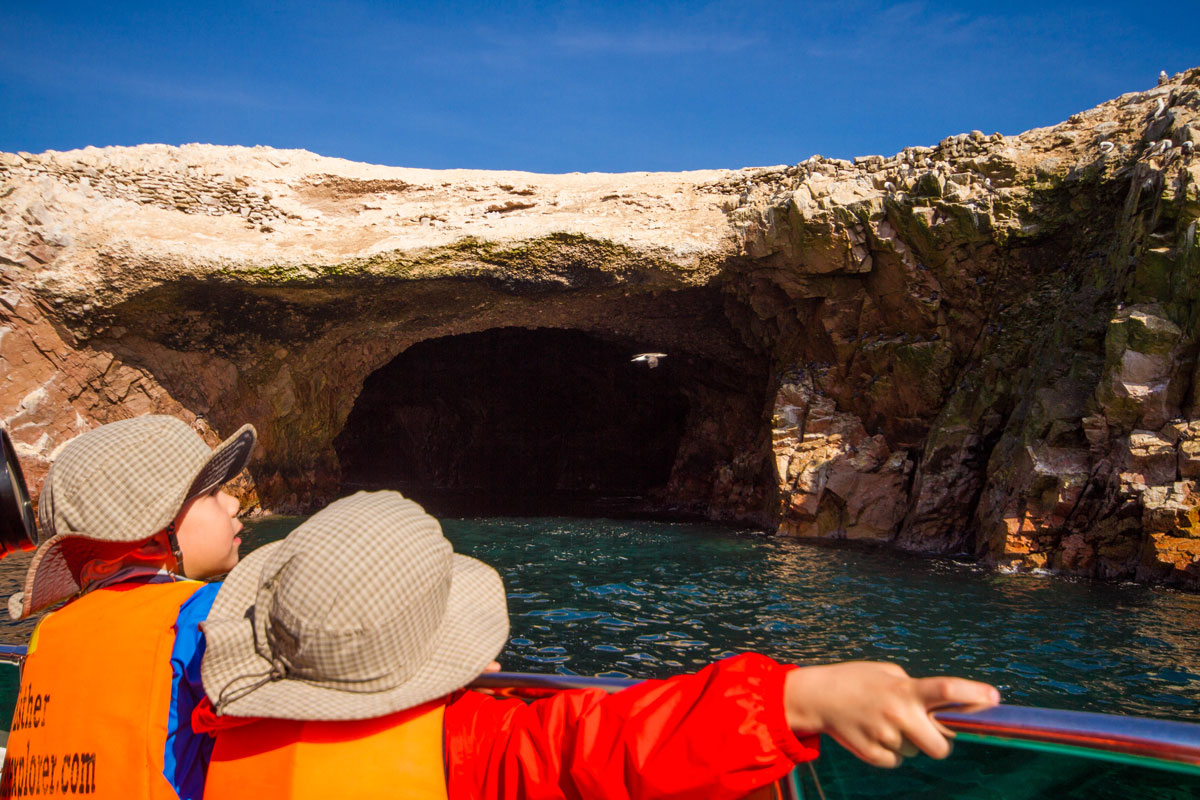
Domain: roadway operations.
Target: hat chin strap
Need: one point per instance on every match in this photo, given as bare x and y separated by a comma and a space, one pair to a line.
173, 542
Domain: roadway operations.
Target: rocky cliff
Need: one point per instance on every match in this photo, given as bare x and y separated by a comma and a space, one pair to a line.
986, 346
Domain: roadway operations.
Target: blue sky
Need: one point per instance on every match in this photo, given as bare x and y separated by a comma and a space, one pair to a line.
560, 87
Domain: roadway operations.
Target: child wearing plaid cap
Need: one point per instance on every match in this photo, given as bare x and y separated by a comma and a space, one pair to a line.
335, 662
132, 517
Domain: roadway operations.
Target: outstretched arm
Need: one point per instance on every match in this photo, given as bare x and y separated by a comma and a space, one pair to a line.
720, 734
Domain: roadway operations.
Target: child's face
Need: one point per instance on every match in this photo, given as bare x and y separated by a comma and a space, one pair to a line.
207, 530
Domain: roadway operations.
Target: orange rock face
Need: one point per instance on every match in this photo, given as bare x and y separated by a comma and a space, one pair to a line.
838, 482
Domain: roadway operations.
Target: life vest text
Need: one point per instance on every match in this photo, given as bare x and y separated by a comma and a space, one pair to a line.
27, 774
31, 710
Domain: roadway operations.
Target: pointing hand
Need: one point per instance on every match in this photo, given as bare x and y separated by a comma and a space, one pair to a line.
877, 711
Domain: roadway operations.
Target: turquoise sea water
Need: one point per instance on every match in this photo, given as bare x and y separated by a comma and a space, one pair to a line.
650, 599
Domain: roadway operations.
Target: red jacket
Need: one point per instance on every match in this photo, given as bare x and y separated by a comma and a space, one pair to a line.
720, 733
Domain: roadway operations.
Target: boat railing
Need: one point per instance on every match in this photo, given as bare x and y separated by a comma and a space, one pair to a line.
1165, 744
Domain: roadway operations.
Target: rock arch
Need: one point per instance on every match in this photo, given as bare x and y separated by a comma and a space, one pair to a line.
989, 344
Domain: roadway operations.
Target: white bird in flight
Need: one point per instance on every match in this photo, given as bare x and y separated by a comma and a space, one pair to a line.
649, 359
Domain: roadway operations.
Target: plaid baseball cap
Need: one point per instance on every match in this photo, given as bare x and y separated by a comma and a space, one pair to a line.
120, 482
363, 610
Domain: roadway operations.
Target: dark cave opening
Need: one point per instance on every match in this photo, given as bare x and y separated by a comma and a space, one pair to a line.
518, 421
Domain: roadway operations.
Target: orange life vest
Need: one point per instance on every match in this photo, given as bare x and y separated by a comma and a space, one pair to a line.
91, 715
399, 755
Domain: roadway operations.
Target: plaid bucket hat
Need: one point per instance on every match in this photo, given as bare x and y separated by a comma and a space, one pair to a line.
120, 482
362, 611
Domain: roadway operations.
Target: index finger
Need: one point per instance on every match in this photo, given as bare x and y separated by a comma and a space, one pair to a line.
935, 693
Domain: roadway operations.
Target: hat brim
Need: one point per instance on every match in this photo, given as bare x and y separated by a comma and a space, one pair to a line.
227, 460
472, 634
49, 580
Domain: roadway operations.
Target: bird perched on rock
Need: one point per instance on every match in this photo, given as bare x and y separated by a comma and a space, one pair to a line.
649, 359
1187, 147
889, 186
1163, 77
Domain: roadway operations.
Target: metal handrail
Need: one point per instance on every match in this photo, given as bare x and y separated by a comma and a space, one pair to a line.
1140, 737
1167, 741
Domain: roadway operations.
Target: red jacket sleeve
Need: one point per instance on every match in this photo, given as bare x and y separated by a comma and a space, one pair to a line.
720, 733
